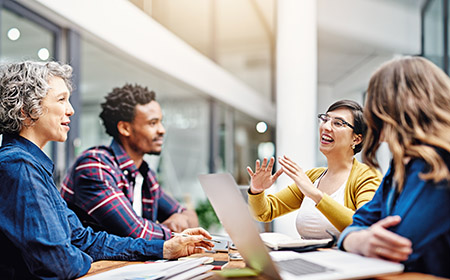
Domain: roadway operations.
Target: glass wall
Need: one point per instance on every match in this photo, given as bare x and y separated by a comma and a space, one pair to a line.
24, 39
185, 153
433, 32
185, 117
250, 145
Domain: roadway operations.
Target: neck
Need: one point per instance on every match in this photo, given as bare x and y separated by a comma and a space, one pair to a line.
339, 164
31, 136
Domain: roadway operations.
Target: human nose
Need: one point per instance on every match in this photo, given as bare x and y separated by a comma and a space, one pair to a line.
161, 129
327, 124
69, 109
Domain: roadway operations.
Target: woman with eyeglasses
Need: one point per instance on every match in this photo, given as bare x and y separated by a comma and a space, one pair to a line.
326, 197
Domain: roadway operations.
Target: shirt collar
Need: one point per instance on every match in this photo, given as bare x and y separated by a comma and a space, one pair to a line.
30, 147
126, 164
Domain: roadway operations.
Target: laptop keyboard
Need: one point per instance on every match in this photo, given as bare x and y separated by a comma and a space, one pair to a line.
300, 267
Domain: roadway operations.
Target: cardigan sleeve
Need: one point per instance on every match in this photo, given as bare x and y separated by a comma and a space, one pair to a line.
361, 187
339, 215
366, 182
268, 207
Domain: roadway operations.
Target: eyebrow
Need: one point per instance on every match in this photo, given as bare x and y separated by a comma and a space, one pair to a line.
339, 118
154, 119
64, 93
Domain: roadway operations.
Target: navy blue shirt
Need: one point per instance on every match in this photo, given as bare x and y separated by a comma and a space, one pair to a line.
39, 236
424, 207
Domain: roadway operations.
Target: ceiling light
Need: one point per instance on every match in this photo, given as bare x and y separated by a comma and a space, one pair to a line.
261, 127
43, 54
13, 34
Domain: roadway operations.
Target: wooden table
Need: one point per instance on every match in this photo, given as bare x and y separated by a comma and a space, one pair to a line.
103, 266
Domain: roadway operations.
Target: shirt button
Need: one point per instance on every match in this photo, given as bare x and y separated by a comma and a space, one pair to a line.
125, 172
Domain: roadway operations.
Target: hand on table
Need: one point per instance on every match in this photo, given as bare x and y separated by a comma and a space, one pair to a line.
378, 242
181, 246
262, 178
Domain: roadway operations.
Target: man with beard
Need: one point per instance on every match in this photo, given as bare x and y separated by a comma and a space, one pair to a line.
112, 188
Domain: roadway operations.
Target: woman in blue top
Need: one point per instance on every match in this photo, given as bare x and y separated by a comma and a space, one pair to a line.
408, 220
40, 238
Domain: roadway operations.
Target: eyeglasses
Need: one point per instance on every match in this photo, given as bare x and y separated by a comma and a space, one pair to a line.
336, 123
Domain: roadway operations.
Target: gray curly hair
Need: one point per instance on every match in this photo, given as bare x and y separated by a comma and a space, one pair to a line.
23, 85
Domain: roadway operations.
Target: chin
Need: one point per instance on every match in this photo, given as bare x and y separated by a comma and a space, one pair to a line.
62, 139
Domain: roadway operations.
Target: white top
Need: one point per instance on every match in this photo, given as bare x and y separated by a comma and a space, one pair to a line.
310, 222
137, 194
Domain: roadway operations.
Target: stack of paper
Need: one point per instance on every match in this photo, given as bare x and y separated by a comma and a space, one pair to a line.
173, 270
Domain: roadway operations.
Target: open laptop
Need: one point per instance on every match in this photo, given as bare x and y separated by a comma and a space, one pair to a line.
234, 214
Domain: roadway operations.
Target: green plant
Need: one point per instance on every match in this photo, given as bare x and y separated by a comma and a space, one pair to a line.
206, 215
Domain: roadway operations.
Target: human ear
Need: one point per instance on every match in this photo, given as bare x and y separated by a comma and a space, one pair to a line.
124, 128
357, 139
27, 122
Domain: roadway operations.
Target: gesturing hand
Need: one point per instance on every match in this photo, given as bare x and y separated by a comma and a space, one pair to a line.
262, 178
378, 242
181, 246
302, 181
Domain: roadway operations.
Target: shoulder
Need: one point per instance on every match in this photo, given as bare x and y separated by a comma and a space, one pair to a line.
97, 154
98, 151
94, 162
18, 167
364, 175
14, 157
363, 170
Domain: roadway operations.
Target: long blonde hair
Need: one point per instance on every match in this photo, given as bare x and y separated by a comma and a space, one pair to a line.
408, 106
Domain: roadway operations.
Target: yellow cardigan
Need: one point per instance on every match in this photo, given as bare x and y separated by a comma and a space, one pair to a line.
361, 185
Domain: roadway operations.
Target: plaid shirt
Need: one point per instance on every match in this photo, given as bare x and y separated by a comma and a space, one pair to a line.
99, 189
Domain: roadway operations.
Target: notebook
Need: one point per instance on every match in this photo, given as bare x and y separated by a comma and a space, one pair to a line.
234, 214
279, 241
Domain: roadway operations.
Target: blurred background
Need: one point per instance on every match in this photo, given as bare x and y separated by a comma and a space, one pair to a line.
238, 80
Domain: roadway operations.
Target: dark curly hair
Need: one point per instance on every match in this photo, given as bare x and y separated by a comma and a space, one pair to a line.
120, 105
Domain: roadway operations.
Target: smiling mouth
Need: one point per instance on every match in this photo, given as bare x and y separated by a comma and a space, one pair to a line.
327, 139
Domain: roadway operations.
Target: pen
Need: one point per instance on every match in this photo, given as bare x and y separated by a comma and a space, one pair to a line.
187, 235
